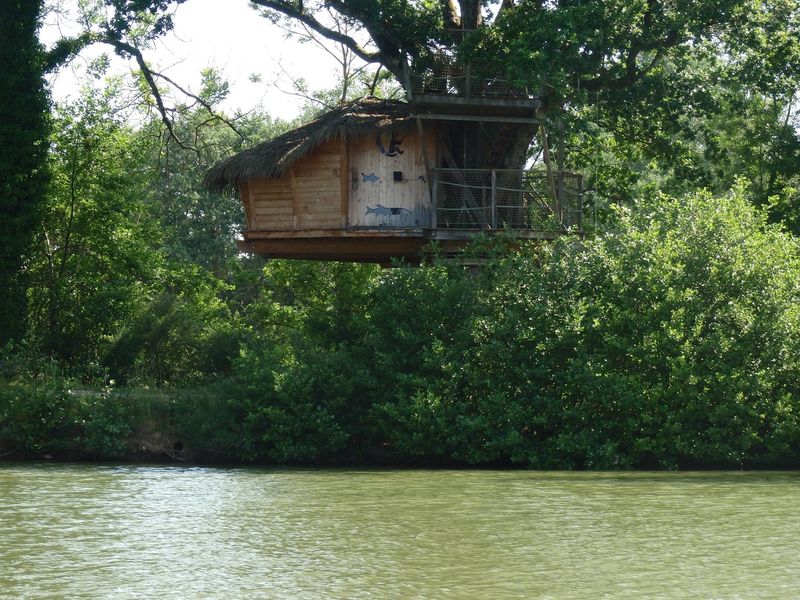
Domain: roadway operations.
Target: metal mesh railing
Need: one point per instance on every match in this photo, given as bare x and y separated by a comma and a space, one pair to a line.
467, 81
497, 199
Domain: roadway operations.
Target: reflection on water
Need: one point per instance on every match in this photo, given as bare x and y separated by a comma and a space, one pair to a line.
144, 532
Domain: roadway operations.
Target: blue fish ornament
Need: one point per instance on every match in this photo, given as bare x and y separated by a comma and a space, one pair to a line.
386, 211
371, 178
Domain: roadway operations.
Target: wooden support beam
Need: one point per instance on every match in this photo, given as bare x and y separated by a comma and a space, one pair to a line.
548, 164
478, 118
428, 167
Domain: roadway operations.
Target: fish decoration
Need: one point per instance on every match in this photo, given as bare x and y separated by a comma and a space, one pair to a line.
371, 178
394, 146
386, 211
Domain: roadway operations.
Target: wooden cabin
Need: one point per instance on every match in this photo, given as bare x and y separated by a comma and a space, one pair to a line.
373, 180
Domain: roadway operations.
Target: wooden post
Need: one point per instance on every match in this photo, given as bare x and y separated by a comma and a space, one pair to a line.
579, 201
434, 199
560, 158
548, 164
494, 199
425, 158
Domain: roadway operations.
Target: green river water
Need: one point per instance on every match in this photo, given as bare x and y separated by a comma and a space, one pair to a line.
90, 531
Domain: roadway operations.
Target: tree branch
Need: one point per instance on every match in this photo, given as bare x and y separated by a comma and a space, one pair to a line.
504, 6
450, 14
631, 73
124, 48
298, 13
391, 46
66, 49
201, 102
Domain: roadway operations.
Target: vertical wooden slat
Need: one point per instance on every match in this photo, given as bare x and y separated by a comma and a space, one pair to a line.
293, 185
344, 174
247, 200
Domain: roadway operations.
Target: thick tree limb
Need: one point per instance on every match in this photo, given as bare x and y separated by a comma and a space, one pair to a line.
450, 14
471, 16
297, 12
632, 72
66, 49
504, 6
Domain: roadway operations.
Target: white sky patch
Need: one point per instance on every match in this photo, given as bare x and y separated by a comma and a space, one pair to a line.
228, 36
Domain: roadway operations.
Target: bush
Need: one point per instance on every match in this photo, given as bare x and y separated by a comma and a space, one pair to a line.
36, 419
673, 340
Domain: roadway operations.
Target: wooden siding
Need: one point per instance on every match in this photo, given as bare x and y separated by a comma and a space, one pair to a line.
270, 202
376, 198
317, 188
309, 196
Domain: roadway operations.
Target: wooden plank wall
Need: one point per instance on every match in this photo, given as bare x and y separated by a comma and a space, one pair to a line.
317, 188
270, 204
376, 199
309, 196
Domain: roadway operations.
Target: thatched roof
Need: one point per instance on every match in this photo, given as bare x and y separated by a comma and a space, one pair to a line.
272, 158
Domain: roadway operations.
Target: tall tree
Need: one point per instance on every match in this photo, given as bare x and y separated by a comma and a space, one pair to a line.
23, 151
96, 252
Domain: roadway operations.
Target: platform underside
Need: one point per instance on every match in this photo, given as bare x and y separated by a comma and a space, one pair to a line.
370, 245
476, 109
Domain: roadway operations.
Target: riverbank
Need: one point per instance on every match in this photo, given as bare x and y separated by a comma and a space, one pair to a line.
51, 420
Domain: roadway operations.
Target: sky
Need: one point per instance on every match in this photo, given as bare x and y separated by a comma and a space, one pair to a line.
225, 34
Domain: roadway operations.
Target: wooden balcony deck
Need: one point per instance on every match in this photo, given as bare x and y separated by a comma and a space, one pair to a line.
368, 245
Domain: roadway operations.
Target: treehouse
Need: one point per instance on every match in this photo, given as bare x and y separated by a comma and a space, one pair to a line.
380, 179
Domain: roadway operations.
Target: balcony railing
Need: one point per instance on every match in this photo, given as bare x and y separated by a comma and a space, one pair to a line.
463, 81
507, 199
452, 78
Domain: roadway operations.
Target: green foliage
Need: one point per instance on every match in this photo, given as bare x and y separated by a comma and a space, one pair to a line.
107, 424
36, 419
93, 253
669, 341
46, 417
177, 336
135, 262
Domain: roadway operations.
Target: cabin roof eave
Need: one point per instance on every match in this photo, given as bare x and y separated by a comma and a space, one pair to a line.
273, 158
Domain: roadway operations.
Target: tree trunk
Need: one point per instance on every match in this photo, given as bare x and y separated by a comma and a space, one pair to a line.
476, 145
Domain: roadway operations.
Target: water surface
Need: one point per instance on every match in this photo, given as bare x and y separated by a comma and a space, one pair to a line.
87, 531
